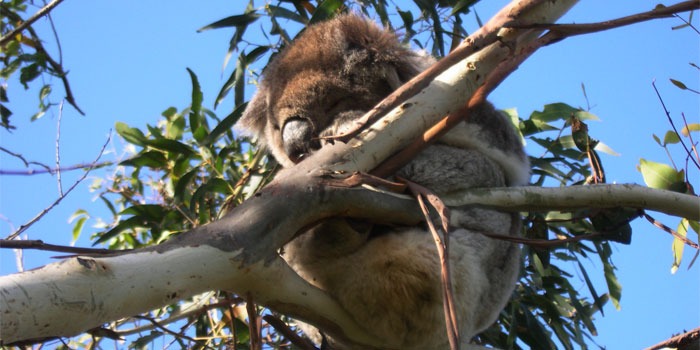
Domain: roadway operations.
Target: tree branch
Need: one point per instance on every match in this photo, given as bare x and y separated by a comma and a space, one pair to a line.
48, 170
24, 25
660, 11
687, 341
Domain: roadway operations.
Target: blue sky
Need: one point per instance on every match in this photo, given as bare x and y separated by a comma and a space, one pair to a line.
127, 63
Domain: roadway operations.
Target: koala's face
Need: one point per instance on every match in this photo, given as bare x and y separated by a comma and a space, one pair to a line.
331, 75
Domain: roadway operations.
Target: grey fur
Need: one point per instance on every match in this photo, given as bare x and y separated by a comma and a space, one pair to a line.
390, 280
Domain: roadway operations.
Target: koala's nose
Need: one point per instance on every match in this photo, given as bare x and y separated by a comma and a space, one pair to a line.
297, 137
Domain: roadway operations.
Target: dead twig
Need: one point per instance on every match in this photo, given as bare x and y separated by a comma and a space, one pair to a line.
421, 193
40, 245
49, 170
288, 333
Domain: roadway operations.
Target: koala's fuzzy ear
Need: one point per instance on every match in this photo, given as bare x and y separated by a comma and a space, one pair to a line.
408, 66
252, 122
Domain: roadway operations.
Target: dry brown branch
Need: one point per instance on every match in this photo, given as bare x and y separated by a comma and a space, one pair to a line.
673, 232
443, 248
40, 245
660, 11
687, 341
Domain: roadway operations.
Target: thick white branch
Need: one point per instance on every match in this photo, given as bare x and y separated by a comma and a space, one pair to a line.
76, 294
578, 197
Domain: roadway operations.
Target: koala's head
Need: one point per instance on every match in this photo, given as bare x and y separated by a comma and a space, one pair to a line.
332, 73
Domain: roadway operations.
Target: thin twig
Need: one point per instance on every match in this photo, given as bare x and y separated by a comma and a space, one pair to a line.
671, 231
165, 329
673, 125
24, 25
48, 170
25, 226
21, 157
690, 137
288, 333
687, 23
58, 149
40, 245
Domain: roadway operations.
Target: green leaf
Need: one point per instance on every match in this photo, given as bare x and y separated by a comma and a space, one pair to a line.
678, 244
131, 223
172, 146
215, 185
109, 205
226, 124
196, 117
614, 223
602, 147
232, 21
596, 298
671, 137
661, 176
614, 287
462, 6
175, 127
678, 84
150, 159
182, 183
131, 135
236, 76
690, 127
144, 341
169, 113
82, 217
326, 10
281, 12
29, 73
154, 212
553, 112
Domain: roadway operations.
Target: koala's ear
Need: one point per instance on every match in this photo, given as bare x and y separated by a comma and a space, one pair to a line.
407, 66
252, 122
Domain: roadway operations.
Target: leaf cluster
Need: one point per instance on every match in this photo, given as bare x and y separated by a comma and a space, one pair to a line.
25, 58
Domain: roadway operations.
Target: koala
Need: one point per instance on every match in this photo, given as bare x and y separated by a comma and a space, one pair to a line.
388, 278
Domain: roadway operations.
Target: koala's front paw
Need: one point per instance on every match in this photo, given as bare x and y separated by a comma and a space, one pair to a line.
343, 123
